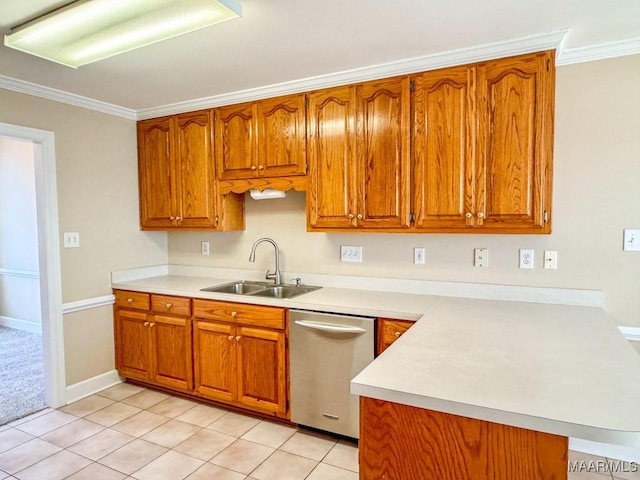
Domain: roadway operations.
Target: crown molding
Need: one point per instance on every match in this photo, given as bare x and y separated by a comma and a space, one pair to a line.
48, 93
479, 53
553, 40
602, 51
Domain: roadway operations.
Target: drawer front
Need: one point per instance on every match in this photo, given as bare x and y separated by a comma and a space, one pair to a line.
390, 330
270, 317
135, 300
167, 304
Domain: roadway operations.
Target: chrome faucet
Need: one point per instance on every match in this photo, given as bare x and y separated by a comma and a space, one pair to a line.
276, 276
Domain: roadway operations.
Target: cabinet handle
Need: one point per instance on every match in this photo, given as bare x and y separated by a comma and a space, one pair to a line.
172, 218
179, 218
350, 216
261, 167
169, 305
230, 337
360, 216
397, 334
233, 314
151, 324
238, 338
480, 215
253, 167
130, 300
468, 214
146, 324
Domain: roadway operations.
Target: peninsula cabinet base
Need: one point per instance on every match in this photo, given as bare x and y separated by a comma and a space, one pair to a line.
399, 442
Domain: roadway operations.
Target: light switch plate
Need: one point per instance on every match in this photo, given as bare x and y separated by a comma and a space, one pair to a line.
418, 256
71, 239
631, 240
351, 253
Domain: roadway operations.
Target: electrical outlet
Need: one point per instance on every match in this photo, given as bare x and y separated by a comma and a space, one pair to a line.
631, 240
71, 239
351, 253
550, 259
418, 256
526, 258
204, 248
480, 257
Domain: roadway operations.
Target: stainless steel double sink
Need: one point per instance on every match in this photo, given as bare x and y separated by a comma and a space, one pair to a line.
260, 289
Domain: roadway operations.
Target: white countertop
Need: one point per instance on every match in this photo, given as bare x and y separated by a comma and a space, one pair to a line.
553, 368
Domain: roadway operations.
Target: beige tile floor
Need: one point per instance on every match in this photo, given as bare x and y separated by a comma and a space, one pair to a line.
129, 432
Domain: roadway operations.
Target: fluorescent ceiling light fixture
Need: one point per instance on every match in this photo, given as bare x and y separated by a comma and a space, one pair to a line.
86, 31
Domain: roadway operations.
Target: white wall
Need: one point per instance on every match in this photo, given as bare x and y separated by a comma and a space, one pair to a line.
596, 195
19, 278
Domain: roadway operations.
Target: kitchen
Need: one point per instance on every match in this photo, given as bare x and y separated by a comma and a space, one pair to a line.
596, 146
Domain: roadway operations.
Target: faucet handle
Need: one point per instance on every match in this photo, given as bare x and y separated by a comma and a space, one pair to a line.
298, 281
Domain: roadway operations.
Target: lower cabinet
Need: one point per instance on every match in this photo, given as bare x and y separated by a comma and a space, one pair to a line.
154, 348
228, 352
389, 330
241, 365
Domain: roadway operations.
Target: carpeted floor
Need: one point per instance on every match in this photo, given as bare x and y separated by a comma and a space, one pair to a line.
21, 374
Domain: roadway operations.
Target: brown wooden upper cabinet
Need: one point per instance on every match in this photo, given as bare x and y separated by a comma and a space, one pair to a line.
483, 143
261, 139
358, 146
176, 176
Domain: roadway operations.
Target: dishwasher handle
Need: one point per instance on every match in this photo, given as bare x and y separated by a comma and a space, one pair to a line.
329, 327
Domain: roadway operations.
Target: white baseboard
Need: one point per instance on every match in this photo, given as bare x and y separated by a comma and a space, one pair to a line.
87, 387
615, 452
18, 324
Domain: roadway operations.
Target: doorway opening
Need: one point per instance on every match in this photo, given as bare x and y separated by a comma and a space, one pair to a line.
38, 296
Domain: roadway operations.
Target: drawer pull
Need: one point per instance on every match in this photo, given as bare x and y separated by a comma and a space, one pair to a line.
230, 337
146, 324
398, 334
238, 338
169, 305
130, 300
233, 314
151, 324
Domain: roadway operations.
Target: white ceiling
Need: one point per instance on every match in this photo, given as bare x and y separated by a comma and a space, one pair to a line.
279, 41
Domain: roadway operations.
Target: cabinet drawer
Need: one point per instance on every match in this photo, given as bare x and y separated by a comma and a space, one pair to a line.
390, 330
270, 317
135, 300
171, 305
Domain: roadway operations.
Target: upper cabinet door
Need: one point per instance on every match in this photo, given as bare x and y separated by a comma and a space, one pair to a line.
515, 133
235, 138
444, 148
383, 153
194, 170
155, 173
281, 136
331, 197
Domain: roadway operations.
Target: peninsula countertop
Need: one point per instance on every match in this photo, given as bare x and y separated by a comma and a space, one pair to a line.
553, 368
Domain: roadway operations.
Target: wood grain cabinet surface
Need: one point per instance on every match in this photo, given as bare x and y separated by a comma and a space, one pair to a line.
261, 140
389, 330
359, 162
177, 178
483, 140
152, 347
237, 362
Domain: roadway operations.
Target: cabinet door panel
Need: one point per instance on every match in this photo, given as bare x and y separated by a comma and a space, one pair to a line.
332, 166
172, 364
236, 142
261, 369
383, 153
444, 146
215, 360
133, 347
281, 130
515, 124
194, 170
155, 173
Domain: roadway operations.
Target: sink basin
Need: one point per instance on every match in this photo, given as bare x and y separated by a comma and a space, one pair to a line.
283, 291
241, 287
260, 289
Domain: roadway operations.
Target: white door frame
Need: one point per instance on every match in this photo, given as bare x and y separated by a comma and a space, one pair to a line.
49, 258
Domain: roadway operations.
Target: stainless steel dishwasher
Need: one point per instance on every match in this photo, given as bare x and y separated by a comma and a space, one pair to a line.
326, 352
